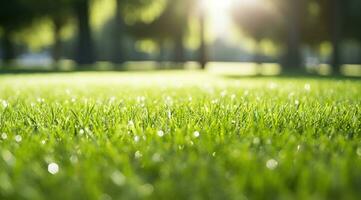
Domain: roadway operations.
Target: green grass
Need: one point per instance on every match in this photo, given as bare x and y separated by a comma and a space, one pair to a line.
135, 136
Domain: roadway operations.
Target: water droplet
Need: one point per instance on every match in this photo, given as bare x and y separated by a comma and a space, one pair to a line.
169, 113
53, 168
18, 138
271, 164
196, 134
130, 124
307, 87
160, 133
81, 131
118, 178
136, 139
5, 103
4, 136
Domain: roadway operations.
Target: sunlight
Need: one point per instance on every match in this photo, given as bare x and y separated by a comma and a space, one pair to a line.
219, 14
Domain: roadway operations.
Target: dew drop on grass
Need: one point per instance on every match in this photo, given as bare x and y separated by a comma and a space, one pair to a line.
160, 133
18, 138
136, 139
130, 124
43, 142
196, 134
81, 131
4, 103
118, 178
53, 168
307, 87
271, 164
4, 136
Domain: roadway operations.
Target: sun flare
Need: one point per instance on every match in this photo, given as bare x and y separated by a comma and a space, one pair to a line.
218, 13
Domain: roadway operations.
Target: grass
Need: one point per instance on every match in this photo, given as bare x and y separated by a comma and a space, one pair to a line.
178, 135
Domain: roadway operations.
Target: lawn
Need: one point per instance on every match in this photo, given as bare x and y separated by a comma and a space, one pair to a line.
178, 135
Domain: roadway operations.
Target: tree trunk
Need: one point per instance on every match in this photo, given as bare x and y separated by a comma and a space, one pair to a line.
202, 48
178, 48
292, 59
257, 53
85, 52
117, 47
335, 35
8, 48
161, 51
57, 49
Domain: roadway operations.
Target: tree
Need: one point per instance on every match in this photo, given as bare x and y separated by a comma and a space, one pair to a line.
259, 20
59, 13
124, 7
14, 15
171, 24
85, 49
292, 11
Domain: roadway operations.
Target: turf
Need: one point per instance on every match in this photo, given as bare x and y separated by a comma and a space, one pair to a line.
178, 135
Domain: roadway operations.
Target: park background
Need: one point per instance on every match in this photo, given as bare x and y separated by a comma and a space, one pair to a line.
321, 37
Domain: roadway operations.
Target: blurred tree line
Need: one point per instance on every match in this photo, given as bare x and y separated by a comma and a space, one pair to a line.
290, 24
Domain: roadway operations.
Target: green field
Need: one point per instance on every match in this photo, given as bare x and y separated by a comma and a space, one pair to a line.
178, 135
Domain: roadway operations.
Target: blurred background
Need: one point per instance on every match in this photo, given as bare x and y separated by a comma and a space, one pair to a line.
253, 37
